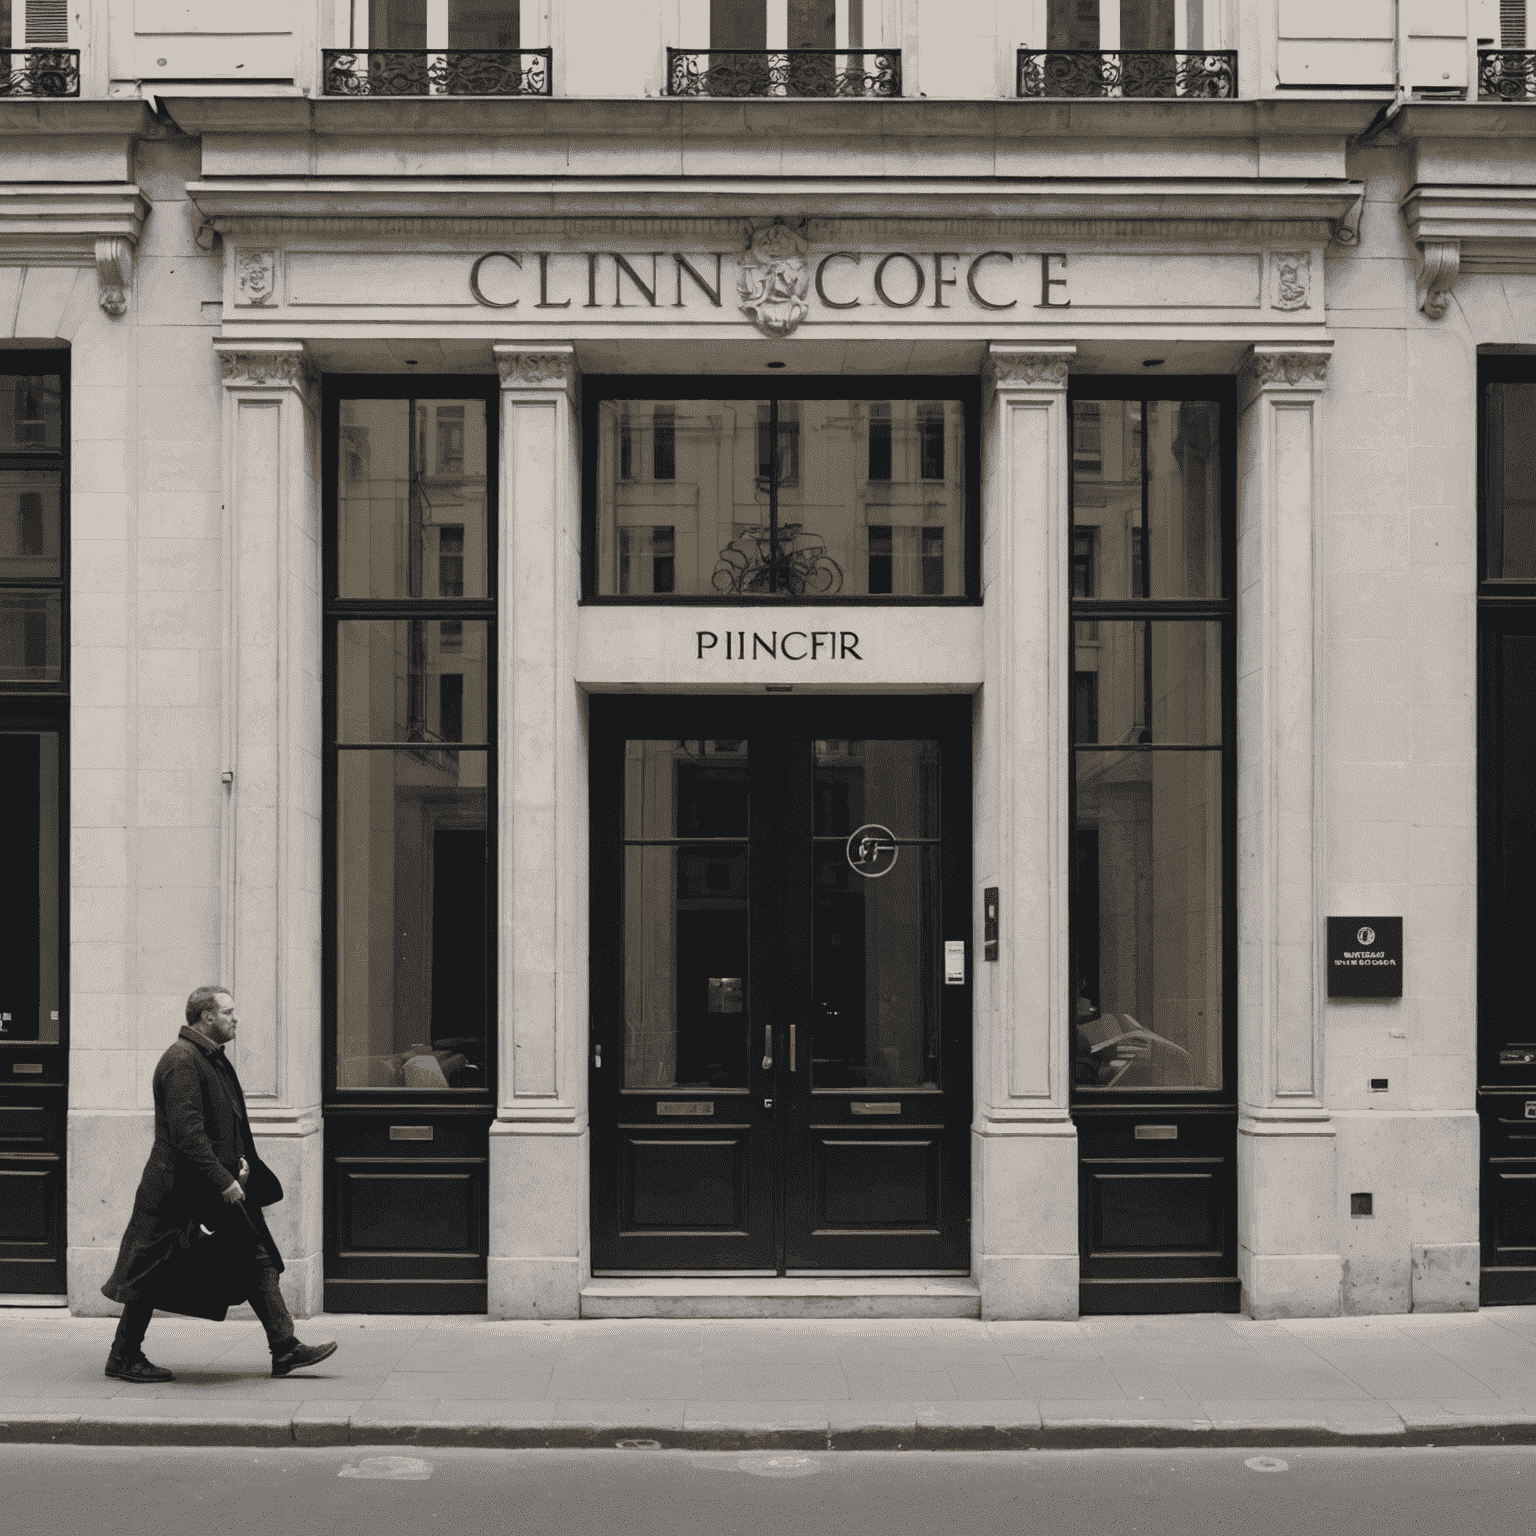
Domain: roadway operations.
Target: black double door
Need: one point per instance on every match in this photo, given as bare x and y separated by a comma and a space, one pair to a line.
1506, 1095
781, 986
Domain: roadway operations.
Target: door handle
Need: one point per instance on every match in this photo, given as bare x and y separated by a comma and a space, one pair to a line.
767, 1047
791, 1047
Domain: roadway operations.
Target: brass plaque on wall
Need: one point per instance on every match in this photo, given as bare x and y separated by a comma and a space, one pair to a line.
684, 1107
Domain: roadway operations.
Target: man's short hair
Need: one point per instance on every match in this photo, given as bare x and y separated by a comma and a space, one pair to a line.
202, 1000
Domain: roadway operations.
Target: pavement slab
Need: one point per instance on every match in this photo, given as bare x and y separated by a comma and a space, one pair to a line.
791, 1383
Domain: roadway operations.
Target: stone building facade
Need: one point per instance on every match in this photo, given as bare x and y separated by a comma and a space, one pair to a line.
986, 526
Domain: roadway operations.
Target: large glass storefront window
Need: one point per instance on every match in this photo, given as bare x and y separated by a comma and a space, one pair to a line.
790, 496
411, 642
1152, 711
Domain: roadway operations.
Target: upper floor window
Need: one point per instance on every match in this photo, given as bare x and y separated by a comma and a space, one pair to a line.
788, 494
756, 24
1146, 25
468, 24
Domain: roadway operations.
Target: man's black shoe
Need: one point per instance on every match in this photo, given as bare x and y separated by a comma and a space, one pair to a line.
298, 1356
136, 1368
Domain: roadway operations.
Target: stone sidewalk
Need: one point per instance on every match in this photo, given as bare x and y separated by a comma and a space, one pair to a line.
806, 1385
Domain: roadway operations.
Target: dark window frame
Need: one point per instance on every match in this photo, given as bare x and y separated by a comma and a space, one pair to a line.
21, 365
598, 388
1221, 389
334, 389
1499, 368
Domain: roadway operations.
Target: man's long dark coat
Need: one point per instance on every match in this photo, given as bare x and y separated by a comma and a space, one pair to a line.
201, 1133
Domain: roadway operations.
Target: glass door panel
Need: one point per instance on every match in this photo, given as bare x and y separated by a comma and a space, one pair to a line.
877, 936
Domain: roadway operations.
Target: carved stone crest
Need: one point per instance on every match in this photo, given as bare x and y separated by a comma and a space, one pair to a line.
1292, 278
255, 277
774, 277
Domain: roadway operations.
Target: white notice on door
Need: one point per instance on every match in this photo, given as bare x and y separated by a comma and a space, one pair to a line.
954, 962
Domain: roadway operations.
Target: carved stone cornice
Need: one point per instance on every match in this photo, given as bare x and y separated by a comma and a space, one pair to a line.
86, 224
1462, 230
548, 367
265, 365
261, 210
1042, 366
1271, 367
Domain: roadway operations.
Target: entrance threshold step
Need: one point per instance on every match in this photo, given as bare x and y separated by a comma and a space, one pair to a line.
797, 1296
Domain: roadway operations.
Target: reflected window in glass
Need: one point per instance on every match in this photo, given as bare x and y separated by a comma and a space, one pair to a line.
792, 498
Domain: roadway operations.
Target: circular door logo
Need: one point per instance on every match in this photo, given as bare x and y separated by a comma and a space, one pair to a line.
872, 851
1366, 937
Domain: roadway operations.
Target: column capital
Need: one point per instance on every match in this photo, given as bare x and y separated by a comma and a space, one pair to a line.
549, 365
1028, 365
264, 364
1294, 366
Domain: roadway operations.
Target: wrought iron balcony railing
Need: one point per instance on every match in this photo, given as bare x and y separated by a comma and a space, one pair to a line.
437, 72
1506, 74
39, 72
1127, 73
784, 72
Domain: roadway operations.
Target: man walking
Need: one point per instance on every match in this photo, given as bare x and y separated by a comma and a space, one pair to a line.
195, 1243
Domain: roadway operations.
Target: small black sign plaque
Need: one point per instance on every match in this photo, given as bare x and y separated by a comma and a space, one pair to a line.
1365, 957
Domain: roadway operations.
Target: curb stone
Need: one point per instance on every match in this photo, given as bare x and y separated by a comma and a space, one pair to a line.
315, 1431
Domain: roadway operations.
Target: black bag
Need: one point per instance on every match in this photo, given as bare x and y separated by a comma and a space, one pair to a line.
208, 1272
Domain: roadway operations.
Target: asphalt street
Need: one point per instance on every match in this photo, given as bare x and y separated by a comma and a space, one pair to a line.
362, 1491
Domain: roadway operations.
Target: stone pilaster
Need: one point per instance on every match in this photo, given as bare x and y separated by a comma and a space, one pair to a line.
271, 855
1288, 1254
539, 1144
1024, 1146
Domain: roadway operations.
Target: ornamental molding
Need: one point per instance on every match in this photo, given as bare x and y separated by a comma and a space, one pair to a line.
1284, 368
1039, 368
543, 369
273, 366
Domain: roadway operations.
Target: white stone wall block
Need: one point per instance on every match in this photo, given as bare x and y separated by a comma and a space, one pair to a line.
45, 294
1446, 1277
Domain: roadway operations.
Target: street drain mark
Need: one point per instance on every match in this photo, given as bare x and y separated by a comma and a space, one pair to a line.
638, 1445
1267, 1464
402, 1469
778, 1466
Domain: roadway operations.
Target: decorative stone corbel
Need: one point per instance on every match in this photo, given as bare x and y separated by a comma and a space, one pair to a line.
114, 271
204, 235
1347, 231
1439, 267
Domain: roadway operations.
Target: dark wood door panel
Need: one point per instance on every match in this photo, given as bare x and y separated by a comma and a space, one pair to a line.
436, 1212
1146, 1211
1158, 1211
406, 1213
686, 1184
865, 1184
31, 1224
